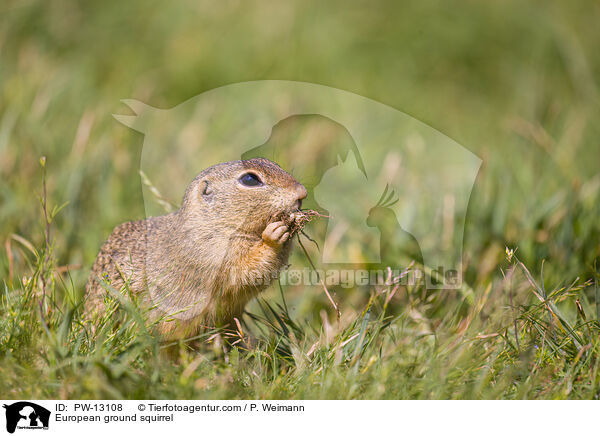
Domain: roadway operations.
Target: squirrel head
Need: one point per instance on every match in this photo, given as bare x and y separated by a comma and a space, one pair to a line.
244, 195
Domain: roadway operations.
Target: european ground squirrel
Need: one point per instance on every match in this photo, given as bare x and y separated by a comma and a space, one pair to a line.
206, 261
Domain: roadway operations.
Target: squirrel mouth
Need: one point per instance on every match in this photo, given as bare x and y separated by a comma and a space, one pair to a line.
287, 215
296, 219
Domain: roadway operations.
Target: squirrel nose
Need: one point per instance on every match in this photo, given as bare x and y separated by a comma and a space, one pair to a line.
300, 194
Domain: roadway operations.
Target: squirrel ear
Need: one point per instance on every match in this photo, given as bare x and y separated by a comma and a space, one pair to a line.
207, 191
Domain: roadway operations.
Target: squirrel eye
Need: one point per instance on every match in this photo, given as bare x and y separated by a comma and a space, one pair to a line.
250, 179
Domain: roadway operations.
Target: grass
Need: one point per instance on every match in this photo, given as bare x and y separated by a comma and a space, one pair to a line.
515, 83
483, 349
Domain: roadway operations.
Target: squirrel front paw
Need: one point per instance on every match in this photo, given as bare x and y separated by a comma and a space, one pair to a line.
276, 233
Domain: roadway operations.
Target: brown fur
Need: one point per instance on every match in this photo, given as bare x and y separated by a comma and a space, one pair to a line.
205, 261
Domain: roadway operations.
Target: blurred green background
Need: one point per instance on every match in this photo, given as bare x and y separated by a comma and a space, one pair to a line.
515, 82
